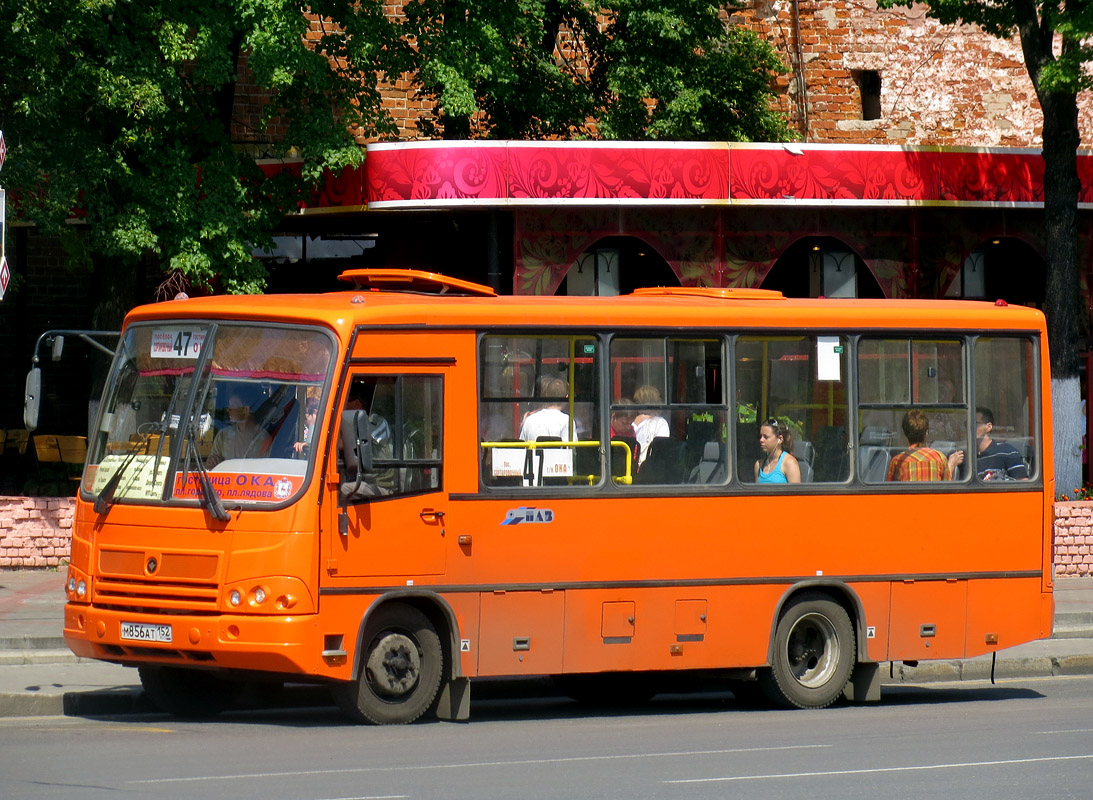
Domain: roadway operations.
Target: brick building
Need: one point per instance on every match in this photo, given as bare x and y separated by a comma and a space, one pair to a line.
864, 216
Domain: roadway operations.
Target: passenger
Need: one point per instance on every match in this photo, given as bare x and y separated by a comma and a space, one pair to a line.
242, 438
549, 420
995, 460
311, 413
919, 462
778, 464
647, 424
622, 419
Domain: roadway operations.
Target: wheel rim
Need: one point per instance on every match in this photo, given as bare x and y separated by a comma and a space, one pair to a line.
393, 668
812, 650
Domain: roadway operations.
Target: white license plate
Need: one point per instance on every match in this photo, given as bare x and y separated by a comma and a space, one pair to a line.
143, 632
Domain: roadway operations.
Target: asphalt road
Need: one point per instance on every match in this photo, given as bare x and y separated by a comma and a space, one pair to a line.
1019, 739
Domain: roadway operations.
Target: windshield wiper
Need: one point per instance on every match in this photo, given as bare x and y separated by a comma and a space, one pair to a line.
210, 499
105, 498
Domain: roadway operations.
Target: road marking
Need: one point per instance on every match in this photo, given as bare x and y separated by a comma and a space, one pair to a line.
372, 797
921, 767
1074, 730
473, 764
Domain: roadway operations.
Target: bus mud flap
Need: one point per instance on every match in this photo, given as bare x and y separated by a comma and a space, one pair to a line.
864, 684
454, 700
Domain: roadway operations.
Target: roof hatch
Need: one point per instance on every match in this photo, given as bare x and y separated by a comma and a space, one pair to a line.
413, 280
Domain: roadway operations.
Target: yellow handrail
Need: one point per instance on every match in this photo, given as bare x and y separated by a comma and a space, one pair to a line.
626, 478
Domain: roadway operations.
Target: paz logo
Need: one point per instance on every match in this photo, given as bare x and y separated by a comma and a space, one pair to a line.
515, 516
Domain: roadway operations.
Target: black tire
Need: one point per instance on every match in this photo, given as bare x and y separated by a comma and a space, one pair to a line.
401, 664
189, 693
814, 654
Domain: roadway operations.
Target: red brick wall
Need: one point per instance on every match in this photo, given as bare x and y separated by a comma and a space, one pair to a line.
1074, 538
35, 531
940, 84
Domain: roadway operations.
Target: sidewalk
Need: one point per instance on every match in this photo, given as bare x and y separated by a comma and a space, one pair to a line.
40, 676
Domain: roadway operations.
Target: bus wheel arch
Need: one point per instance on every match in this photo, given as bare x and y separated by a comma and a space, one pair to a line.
813, 648
405, 662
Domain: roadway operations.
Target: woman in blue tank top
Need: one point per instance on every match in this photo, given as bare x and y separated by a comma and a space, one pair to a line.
777, 464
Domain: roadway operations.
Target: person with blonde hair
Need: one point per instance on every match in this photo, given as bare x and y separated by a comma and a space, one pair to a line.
647, 424
549, 420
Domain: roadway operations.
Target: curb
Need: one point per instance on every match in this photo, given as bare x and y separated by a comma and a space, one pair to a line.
101, 702
980, 670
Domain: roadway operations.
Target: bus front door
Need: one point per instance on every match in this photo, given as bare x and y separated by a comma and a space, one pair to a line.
390, 518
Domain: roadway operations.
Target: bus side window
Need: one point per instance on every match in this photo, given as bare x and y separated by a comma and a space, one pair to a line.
800, 381
1006, 446
405, 413
539, 411
912, 409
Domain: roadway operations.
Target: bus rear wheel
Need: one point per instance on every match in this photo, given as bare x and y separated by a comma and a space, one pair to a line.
401, 664
189, 693
814, 654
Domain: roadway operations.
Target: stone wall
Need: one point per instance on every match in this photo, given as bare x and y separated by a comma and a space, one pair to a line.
37, 532
1074, 538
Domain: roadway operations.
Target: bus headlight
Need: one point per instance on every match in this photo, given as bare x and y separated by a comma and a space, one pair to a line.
71, 583
81, 589
269, 594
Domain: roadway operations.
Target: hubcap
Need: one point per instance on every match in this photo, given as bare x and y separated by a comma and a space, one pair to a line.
394, 665
813, 650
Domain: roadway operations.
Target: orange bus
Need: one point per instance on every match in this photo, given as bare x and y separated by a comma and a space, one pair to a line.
402, 487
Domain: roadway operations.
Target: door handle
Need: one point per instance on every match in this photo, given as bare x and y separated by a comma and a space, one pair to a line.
430, 516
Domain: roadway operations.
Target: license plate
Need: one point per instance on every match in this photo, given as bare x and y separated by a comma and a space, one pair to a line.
143, 632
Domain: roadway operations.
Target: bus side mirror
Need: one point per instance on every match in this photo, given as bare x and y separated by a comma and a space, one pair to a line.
356, 441
32, 398
58, 347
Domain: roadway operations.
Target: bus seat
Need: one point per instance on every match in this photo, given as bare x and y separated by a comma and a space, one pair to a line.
873, 463
804, 451
831, 459
664, 463
874, 435
805, 454
617, 455
711, 467
538, 460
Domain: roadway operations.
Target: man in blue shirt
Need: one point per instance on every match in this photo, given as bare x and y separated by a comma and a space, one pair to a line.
995, 460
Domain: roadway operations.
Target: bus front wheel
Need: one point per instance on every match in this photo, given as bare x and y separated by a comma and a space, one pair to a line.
401, 664
814, 654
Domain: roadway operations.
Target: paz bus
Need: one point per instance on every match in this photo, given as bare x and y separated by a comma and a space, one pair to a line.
335, 489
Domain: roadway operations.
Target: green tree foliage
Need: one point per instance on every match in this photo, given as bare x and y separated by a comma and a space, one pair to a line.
123, 110
1057, 43
637, 69
128, 113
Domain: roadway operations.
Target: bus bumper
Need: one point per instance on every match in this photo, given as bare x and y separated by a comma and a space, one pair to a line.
278, 644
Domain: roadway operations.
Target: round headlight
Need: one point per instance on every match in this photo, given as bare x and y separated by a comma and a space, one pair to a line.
235, 598
259, 595
72, 583
81, 588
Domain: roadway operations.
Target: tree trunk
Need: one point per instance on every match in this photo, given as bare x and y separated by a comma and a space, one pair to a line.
1063, 299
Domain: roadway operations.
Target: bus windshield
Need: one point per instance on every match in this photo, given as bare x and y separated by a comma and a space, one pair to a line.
244, 427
